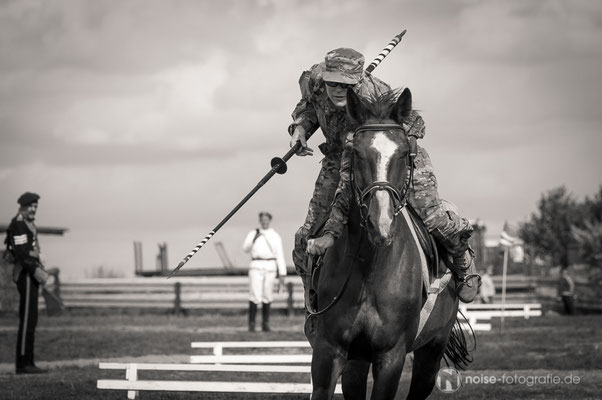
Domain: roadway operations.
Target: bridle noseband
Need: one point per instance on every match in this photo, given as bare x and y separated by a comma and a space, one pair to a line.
364, 196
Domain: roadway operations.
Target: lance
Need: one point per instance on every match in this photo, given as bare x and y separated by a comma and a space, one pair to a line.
394, 42
278, 165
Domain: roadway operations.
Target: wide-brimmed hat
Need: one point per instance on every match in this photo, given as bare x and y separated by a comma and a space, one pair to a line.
343, 65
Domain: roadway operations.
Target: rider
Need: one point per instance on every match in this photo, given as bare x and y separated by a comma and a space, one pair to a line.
322, 105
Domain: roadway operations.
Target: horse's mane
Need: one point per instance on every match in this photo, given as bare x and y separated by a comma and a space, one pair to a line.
379, 105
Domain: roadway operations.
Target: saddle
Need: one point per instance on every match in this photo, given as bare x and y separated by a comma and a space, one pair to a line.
436, 256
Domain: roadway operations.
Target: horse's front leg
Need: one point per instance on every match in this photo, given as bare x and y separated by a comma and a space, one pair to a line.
386, 371
326, 366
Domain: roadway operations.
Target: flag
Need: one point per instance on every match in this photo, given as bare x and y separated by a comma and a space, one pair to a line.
508, 240
512, 243
508, 237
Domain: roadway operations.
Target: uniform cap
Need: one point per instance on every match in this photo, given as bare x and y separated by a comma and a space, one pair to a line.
27, 198
343, 65
265, 214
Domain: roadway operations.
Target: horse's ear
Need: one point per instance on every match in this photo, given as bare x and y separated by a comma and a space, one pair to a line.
355, 108
402, 108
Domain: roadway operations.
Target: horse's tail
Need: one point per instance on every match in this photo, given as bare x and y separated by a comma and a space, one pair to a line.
457, 352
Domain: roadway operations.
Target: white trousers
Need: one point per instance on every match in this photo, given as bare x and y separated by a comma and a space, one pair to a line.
261, 284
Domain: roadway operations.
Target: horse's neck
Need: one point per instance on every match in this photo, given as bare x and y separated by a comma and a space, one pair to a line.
384, 257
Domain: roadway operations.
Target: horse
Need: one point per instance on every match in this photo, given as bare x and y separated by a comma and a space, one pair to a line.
370, 286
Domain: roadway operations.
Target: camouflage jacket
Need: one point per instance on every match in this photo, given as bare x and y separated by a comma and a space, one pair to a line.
315, 110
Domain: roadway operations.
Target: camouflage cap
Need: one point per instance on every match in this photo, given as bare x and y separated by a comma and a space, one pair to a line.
343, 65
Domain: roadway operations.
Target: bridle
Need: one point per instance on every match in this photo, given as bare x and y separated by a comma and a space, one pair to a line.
399, 198
364, 196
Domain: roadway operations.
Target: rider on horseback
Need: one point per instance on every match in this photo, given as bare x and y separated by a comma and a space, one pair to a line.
322, 105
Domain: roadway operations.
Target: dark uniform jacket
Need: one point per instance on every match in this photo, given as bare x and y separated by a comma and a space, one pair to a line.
22, 240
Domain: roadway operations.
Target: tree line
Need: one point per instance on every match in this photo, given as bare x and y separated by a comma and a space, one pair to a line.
562, 225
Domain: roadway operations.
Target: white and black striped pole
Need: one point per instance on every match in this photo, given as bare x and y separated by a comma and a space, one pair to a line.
278, 166
394, 42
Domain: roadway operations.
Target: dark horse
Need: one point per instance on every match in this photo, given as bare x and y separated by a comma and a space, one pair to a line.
370, 288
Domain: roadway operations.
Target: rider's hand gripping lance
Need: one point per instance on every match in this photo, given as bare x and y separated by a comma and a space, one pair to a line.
278, 165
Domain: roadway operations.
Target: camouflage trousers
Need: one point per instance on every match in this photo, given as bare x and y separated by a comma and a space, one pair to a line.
318, 212
438, 216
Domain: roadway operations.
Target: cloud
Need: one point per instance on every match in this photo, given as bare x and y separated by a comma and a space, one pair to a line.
153, 118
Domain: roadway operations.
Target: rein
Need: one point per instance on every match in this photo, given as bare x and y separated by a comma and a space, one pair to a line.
399, 196
336, 298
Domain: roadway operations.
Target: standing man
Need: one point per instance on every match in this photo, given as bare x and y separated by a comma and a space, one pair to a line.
267, 263
28, 274
487, 289
566, 290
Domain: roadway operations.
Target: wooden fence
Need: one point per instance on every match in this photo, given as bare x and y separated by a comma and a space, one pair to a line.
178, 294
214, 292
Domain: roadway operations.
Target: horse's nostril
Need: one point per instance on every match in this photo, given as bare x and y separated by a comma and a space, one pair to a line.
380, 241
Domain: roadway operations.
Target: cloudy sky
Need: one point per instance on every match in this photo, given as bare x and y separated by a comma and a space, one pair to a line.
149, 120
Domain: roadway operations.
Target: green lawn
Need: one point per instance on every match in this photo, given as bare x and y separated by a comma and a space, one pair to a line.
540, 346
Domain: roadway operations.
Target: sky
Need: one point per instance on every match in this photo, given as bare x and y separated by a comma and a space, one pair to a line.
149, 120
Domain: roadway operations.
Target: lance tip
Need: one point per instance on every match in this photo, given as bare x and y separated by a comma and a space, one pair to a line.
175, 270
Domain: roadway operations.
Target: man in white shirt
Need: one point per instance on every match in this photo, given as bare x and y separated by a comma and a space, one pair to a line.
487, 289
265, 246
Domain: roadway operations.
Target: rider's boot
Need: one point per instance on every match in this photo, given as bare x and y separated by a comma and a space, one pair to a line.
469, 279
252, 314
310, 300
303, 265
265, 315
462, 265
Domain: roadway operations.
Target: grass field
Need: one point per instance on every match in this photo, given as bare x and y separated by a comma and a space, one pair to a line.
71, 346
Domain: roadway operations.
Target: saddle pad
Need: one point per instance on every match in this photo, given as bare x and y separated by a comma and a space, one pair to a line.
432, 286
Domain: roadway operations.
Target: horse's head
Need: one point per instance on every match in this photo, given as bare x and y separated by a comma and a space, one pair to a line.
382, 164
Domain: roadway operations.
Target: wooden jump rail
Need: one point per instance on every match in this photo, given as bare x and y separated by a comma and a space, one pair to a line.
218, 362
479, 312
495, 310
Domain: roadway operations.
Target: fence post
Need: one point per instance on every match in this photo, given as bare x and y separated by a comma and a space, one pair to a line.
177, 307
290, 310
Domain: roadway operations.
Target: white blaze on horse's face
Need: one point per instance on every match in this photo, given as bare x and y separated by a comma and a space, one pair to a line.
385, 148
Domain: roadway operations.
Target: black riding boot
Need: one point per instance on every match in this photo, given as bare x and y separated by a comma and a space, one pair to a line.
265, 313
252, 314
469, 281
462, 264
